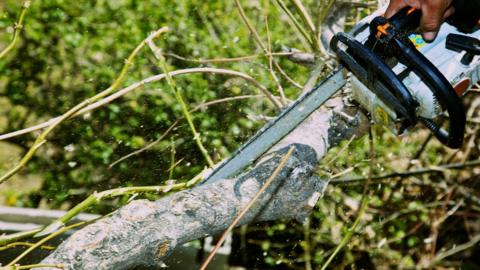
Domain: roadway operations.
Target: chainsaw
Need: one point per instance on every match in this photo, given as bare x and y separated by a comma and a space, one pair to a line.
397, 77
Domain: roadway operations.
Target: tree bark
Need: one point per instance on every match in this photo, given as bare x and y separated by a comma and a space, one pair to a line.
145, 232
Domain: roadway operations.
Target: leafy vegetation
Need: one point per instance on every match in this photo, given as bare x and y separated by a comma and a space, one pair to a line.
71, 50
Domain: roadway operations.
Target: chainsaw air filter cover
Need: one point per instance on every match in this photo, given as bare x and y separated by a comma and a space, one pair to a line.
401, 79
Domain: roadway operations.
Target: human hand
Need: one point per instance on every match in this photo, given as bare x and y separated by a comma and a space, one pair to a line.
434, 12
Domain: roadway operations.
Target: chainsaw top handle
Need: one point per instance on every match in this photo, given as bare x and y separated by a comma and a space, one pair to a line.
389, 39
405, 20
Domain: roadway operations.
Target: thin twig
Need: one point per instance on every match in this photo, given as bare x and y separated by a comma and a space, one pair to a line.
323, 12
363, 206
27, 244
10, 238
196, 108
188, 117
337, 154
146, 147
270, 64
258, 40
178, 95
421, 149
230, 59
151, 79
349, 234
100, 196
455, 249
95, 199
307, 20
312, 79
41, 242
17, 29
307, 250
41, 139
274, 175
298, 25
173, 163
453, 166
224, 100
303, 14
32, 266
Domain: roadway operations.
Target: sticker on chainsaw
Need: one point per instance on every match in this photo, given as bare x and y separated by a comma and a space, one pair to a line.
417, 40
381, 116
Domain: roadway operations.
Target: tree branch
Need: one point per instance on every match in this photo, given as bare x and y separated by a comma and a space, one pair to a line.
145, 232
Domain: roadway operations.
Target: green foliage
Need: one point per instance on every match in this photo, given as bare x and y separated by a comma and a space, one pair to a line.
71, 50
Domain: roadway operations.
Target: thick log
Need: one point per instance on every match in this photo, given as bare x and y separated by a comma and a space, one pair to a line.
145, 232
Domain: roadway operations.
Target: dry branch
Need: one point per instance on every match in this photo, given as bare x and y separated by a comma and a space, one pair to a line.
144, 232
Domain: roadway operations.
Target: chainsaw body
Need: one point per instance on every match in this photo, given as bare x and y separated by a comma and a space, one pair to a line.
399, 84
401, 80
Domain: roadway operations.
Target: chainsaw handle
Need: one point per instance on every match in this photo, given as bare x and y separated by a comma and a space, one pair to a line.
406, 19
389, 39
403, 22
392, 34
372, 71
466, 17
441, 89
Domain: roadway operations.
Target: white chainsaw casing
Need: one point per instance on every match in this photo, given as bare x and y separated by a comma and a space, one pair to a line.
447, 61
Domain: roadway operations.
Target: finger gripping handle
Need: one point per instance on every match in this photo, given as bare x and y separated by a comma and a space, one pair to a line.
407, 19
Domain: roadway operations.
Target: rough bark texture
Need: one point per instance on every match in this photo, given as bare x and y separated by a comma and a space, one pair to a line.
145, 232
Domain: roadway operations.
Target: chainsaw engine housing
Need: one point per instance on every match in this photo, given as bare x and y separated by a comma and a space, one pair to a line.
461, 75
453, 58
